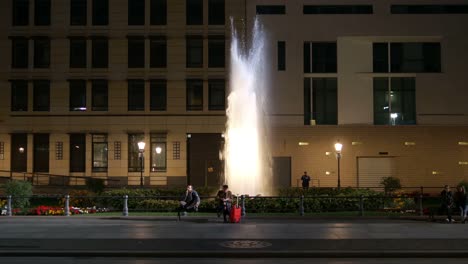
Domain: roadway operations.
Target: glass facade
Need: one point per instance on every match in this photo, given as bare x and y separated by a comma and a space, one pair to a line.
394, 101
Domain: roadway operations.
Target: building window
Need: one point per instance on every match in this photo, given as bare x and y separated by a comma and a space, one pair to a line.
78, 12
281, 55
117, 150
19, 152
100, 53
217, 95
134, 153
41, 153
337, 9
19, 95
194, 52
407, 57
158, 52
216, 12
194, 12
216, 52
19, 53
136, 12
77, 95
41, 95
176, 150
158, 12
429, 9
77, 152
42, 12
99, 95
271, 10
78, 53
136, 95
136, 52
59, 150
100, 12
194, 95
41, 52
324, 101
158, 152
320, 57
158, 95
394, 101
99, 152
20, 12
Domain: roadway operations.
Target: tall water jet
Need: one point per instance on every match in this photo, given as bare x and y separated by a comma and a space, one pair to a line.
246, 154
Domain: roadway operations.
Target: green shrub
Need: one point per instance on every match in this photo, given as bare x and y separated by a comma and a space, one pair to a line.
21, 191
390, 184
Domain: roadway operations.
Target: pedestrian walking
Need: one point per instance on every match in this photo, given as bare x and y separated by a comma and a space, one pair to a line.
462, 202
305, 181
447, 203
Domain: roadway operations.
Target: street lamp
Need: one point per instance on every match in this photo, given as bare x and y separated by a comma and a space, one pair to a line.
393, 116
141, 149
338, 147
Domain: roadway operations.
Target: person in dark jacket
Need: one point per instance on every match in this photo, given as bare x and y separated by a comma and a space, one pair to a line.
189, 201
305, 181
462, 202
224, 198
447, 203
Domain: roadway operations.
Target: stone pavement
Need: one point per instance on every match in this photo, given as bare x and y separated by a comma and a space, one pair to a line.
210, 238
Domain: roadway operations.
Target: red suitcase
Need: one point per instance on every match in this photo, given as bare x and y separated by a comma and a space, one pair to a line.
235, 215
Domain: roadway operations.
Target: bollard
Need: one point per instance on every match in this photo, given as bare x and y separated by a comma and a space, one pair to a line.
67, 205
421, 213
9, 211
125, 206
301, 208
243, 205
361, 205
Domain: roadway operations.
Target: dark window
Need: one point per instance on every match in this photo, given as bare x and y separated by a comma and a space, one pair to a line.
78, 53
41, 153
99, 95
158, 12
100, 53
41, 95
158, 52
324, 105
337, 9
78, 12
158, 95
136, 95
415, 57
77, 152
19, 95
394, 101
19, 54
307, 103
194, 52
323, 59
134, 157
99, 152
271, 10
42, 12
216, 95
158, 152
136, 52
281, 55
136, 12
20, 12
216, 52
194, 95
380, 60
216, 12
77, 95
19, 152
429, 9
194, 12
41, 52
100, 12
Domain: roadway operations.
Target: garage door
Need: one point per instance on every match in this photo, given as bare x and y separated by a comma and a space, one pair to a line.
371, 170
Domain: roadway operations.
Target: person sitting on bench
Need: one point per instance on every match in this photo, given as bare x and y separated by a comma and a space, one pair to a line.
189, 201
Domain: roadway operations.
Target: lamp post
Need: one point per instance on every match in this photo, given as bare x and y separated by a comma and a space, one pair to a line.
141, 149
338, 147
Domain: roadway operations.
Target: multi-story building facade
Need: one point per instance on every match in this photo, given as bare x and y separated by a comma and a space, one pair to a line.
83, 81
